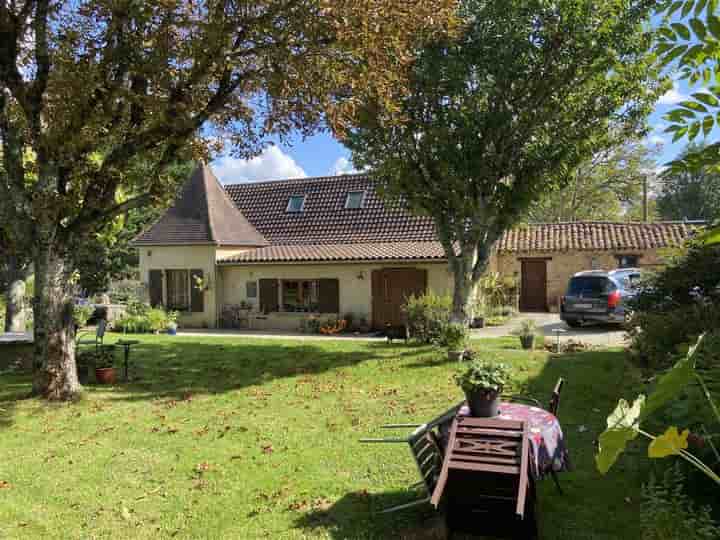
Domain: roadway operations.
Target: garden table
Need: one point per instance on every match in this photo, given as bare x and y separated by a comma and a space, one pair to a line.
548, 453
126, 344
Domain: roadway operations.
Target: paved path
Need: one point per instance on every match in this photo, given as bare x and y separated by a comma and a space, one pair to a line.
608, 335
546, 322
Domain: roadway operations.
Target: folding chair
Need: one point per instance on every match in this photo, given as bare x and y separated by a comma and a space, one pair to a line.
99, 335
426, 451
555, 398
554, 407
484, 481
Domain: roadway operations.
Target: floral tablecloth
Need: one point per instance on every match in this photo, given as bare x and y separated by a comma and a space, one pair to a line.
547, 444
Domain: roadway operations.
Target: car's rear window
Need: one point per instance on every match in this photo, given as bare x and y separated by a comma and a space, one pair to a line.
590, 286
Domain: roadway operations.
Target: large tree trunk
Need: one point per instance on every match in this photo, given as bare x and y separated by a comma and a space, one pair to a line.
468, 267
15, 307
463, 297
55, 369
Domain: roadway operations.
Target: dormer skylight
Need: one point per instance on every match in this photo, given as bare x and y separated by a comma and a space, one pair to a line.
296, 203
355, 200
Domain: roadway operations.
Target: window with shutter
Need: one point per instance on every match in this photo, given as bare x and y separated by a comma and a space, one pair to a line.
178, 290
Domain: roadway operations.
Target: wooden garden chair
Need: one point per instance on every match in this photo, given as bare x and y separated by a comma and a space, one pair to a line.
484, 481
99, 335
426, 450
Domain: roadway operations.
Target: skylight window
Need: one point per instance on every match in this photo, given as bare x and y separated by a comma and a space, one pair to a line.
296, 203
355, 199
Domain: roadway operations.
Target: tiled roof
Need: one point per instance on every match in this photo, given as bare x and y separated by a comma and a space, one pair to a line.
594, 236
327, 231
380, 251
202, 214
324, 219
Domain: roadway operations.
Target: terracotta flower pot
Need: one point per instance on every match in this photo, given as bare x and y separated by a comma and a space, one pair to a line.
483, 404
105, 375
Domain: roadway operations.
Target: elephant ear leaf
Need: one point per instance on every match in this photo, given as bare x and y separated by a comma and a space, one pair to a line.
622, 426
672, 382
711, 237
669, 443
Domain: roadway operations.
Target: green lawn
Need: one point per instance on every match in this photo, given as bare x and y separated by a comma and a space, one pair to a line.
239, 438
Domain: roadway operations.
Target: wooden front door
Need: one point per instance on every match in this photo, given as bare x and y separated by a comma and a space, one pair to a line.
390, 288
533, 285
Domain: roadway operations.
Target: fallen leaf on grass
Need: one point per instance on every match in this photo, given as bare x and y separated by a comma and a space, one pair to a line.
267, 449
4, 484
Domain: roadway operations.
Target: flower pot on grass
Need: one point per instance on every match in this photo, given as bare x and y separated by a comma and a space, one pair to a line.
483, 382
105, 365
526, 333
527, 341
172, 328
454, 336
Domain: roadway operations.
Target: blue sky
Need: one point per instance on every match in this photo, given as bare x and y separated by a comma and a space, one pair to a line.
322, 155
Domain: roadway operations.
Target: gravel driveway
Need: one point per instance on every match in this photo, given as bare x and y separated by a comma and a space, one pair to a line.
607, 335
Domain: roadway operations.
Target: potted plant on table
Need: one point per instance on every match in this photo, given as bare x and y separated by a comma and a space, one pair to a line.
105, 364
454, 337
526, 333
483, 382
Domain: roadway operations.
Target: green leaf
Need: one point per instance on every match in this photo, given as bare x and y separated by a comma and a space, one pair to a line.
626, 416
711, 8
692, 54
673, 8
693, 106
674, 53
706, 98
711, 237
667, 33
713, 24
681, 30
672, 382
707, 125
612, 443
679, 134
687, 8
693, 130
699, 28
699, 6
669, 443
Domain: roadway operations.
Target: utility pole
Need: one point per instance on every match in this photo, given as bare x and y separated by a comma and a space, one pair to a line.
645, 198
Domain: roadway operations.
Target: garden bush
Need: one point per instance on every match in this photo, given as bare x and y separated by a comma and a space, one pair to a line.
668, 513
140, 318
675, 306
426, 316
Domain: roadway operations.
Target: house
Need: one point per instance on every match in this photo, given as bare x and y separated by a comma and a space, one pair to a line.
332, 246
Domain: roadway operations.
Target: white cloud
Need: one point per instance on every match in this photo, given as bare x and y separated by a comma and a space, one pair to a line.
342, 165
272, 164
672, 96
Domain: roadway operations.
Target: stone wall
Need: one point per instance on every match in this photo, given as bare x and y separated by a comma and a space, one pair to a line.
562, 266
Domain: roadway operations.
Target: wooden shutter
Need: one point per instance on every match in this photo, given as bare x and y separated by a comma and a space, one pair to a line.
329, 296
197, 297
156, 288
268, 295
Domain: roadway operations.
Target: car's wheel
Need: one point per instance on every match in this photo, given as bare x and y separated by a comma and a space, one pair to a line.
572, 323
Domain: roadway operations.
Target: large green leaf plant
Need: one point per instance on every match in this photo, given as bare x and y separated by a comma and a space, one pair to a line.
624, 424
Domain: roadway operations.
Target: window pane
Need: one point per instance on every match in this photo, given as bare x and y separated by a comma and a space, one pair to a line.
251, 289
300, 296
178, 293
627, 261
355, 199
296, 203
589, 287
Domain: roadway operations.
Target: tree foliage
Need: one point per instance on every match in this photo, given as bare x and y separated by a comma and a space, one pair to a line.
108, 93
690, 193
501, 114
608, 187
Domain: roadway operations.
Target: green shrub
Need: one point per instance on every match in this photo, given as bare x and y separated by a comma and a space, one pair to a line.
426, 316
675, 306
157, 319
82, 314
140, 318
667, 512
454, 336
